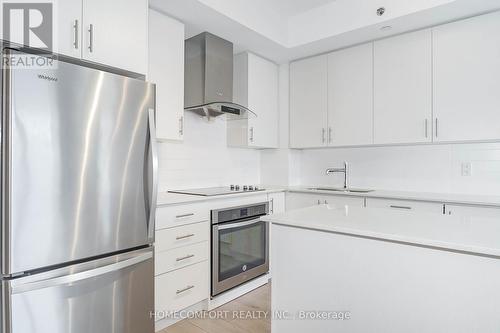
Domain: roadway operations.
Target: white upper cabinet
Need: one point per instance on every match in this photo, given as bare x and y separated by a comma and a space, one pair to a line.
467, 79
69, 28
350, 96
308, 102
166, 70
255, 86
403, 88
115, 33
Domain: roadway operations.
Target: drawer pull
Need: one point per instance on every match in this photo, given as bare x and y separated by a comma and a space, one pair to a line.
189, 256
400, 207
180, 291
184, 237
184, 215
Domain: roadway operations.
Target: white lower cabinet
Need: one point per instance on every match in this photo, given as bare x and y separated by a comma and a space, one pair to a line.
181, 288
418, 206
171, 216
167, 239
170, 260
473, 211
276, 202
182, 248
296, 200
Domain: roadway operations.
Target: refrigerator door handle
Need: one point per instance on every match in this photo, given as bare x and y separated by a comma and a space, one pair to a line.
85, 275
154, 162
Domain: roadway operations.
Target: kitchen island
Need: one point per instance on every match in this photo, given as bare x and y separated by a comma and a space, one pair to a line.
355, 269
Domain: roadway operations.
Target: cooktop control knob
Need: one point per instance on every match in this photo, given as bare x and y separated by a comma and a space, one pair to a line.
255, 188
245, 187
237, 187
250, 188
231, 187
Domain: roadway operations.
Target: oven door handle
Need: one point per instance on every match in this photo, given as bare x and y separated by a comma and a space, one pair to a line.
239, 224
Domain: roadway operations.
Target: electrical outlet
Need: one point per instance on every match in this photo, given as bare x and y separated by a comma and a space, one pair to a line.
466, 169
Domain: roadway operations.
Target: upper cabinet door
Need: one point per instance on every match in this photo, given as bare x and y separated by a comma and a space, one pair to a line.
308, 102
116, 33
350, 96
166, 70
467, 79
403, 88
69, 28
263, 100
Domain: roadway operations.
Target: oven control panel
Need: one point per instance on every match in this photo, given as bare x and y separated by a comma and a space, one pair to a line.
236, 213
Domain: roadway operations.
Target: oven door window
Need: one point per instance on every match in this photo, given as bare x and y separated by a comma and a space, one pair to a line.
241, 248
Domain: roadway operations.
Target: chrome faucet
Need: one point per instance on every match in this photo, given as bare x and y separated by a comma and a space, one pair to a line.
344, 170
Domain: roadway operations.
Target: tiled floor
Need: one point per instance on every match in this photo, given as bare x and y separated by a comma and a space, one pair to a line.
248, 314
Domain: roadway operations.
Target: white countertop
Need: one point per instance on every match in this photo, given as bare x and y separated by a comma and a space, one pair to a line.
449, 198
477, 235
165, 198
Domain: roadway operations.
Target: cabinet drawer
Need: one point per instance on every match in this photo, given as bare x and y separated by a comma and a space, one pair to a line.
473, 211
405, 205
170, 260
167, 239
171, 216
181, 288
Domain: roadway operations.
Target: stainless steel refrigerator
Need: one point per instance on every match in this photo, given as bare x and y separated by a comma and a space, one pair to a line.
78, 195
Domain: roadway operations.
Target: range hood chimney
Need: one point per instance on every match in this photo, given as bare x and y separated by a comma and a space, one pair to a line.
208, 77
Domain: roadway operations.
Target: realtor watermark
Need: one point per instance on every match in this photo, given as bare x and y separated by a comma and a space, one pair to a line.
31, 25
252, 314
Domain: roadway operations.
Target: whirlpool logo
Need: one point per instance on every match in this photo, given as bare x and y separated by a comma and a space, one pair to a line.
48, 78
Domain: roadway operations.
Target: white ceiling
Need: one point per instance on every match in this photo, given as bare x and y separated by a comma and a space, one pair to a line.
284, 30
294, 7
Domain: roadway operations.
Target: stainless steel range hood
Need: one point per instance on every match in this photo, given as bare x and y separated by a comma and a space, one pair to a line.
208, 77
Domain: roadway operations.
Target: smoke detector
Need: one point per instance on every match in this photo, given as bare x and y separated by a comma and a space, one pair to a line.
381, 11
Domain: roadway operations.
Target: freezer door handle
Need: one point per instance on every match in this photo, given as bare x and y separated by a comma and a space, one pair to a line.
154, 163
85, 275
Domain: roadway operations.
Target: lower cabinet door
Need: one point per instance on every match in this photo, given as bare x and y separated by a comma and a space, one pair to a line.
180, 289
418, 206
473, 211
296, 200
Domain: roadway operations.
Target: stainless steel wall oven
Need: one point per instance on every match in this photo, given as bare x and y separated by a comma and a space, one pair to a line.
240, 245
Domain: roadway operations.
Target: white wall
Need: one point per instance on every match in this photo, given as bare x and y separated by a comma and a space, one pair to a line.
204, 160
428, 168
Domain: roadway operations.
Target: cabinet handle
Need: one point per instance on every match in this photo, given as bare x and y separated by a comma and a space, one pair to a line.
426, 128
323, 134
436, 127
75, 36
319, 202
189, 256
184, 237
326, 202
91, 38
329, 135
181, 126
272, 205
400, 207
184, 215
180, 291
251, 134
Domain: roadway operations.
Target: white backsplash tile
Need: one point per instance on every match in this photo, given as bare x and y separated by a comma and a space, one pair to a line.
203, 158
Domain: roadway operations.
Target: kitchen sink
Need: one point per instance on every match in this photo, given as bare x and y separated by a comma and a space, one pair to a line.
337, 189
